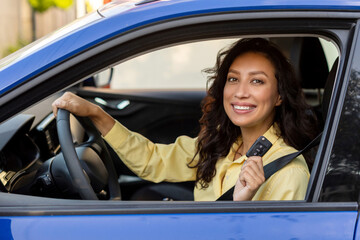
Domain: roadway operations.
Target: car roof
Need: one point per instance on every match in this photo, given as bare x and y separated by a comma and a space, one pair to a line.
122, 16
182, 6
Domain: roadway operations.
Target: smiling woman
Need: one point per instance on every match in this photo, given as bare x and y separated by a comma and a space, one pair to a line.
41, 199
247, 99
240, 107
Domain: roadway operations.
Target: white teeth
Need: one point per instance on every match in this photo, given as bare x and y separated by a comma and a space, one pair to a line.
242, 107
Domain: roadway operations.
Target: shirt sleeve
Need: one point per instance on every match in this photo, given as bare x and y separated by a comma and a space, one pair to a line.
154, 162
289, 183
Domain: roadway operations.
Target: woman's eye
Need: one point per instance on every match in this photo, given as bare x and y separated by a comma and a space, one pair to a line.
257, 81
231, 79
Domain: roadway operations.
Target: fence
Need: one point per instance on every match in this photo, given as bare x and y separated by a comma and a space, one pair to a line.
16, 23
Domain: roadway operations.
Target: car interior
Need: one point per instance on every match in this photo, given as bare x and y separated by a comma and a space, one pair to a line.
30, 148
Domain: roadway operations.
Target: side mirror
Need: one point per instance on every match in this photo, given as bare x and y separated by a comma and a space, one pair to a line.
104, 78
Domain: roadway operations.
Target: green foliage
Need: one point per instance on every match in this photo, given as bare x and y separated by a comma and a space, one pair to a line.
43, 5
63, 3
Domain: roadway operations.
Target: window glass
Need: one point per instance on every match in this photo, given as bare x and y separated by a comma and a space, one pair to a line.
330, 50
180, 67
177, 67
342, 180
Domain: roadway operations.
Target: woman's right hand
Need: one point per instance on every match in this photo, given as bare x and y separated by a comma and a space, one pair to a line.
250, 180
83, 108
74, 104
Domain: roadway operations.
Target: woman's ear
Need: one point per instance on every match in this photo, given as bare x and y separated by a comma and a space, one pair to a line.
278, 101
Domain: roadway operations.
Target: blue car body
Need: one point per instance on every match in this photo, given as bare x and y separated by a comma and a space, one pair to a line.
298, 225
122, 22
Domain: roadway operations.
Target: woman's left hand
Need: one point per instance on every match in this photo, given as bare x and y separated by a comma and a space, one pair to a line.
250, 179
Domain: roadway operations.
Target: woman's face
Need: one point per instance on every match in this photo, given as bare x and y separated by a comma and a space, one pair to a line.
250, 92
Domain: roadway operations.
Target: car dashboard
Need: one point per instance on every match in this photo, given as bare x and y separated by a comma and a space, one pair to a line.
23, 150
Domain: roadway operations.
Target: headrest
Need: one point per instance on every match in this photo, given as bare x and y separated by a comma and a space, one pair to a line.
310, 63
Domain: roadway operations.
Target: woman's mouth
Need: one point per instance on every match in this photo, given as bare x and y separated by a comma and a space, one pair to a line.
243, 108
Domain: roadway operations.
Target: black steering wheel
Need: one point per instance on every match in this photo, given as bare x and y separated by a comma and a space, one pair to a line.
79, 178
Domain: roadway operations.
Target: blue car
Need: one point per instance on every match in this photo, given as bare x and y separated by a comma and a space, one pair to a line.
141, 61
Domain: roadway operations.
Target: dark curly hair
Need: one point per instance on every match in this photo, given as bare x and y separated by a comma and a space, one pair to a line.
296, 121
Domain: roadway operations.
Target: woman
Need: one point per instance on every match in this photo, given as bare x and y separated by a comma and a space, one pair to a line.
253, 93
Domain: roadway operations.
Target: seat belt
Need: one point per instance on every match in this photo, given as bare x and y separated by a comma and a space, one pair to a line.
274, 166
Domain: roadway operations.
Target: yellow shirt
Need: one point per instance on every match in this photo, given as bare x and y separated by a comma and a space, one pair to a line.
168, 162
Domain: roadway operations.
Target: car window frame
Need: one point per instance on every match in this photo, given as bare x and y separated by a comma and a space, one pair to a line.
118, 49
336, 109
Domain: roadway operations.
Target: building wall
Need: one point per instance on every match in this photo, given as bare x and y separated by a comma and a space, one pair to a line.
53, 19
16, 23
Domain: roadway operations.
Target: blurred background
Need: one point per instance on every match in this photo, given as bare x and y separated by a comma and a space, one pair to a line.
24, 21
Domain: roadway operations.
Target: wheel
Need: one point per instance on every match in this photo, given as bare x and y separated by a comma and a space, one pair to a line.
78, 175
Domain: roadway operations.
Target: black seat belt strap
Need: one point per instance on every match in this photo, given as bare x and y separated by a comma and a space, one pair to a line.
279, 163
274, 166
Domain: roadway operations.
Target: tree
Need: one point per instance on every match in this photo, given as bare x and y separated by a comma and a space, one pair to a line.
43, 5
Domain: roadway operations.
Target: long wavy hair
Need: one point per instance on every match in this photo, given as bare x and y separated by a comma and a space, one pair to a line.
297, 122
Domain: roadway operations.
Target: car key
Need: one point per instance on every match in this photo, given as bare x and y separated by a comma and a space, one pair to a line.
260, 147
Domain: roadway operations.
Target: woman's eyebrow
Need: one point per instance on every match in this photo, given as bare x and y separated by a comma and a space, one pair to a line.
251, 73
258, 72
234, 71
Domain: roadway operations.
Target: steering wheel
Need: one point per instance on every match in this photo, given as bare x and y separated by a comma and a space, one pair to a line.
79, 179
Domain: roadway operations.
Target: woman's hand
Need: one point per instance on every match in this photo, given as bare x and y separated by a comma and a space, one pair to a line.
250, 179
80, 107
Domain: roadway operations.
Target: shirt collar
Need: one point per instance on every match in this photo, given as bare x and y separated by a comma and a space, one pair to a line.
272, 134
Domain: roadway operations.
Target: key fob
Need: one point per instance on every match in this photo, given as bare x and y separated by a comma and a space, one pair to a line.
260, 147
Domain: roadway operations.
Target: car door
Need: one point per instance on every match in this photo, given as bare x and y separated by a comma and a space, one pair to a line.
318, 216
177, 112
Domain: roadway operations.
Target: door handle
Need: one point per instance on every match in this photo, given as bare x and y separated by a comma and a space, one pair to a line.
113, 104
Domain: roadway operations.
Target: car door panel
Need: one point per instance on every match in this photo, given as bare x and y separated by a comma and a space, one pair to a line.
161, 116
244, 225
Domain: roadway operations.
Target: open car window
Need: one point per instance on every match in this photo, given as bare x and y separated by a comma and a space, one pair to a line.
174, 73
170, 82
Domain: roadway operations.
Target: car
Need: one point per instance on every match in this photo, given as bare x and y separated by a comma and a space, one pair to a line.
141, 61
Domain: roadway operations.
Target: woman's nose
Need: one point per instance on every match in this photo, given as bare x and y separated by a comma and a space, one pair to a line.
242, 90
